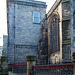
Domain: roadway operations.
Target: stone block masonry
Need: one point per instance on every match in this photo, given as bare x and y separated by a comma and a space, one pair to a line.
23, 33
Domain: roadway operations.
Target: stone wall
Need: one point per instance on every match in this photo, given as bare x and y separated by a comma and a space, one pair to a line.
66, 32
61, 8
22, 30
72, 21
43, 43
56, 10
65, 9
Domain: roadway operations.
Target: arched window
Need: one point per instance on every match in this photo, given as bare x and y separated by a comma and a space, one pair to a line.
54, 37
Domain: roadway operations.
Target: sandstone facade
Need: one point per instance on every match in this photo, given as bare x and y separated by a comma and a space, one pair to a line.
59, 32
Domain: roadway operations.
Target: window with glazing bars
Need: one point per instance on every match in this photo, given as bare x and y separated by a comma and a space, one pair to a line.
36, 17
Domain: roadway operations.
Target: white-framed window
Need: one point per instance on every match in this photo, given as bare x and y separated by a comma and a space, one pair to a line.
36, 17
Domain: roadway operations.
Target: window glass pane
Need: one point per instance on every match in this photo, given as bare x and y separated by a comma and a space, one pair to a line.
36, 14
36, 17
36, 20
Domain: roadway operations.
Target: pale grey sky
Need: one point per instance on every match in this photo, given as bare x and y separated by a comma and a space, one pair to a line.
3, 16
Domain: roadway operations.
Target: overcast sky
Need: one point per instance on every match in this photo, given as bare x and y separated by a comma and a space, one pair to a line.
3, 16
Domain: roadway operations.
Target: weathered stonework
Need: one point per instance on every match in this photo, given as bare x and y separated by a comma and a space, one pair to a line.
42, 56
72, 16
63, 10
23, 34
59, 32
55, 31
66, 32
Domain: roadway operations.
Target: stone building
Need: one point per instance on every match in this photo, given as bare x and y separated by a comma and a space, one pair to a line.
59, 37
59, 45
72, 22
24, 24
42, 56
5, 45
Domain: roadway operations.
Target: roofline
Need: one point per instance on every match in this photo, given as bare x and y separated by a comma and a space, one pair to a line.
30, 3
41, 2
57, 2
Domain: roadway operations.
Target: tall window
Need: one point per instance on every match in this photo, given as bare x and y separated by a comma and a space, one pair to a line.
36, 17
54, 31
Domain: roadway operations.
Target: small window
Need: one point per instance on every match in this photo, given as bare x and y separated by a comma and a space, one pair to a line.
36, 17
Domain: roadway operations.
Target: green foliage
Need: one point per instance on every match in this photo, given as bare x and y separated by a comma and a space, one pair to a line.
4, 58
5, 71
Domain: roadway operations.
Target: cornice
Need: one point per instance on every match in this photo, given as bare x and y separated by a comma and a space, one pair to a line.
30, 3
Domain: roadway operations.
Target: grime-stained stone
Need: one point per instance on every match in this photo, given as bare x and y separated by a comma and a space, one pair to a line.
72, 16
59, 34
22, 32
